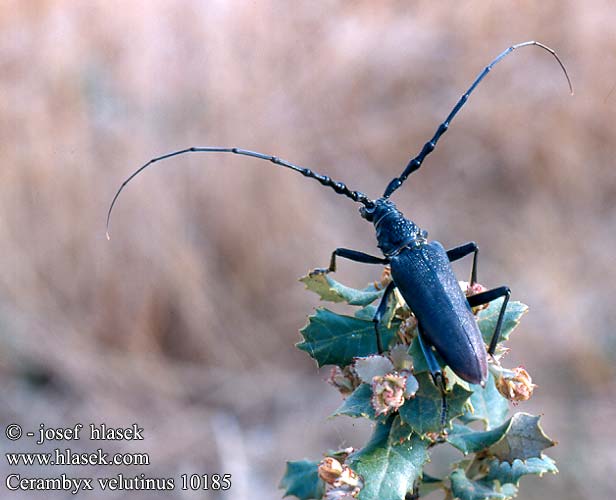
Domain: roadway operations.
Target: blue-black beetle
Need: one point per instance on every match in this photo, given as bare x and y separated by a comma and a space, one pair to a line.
420, 269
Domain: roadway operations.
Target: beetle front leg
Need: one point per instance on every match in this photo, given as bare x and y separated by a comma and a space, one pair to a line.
380, 310
353, 255
489, 296
462, 251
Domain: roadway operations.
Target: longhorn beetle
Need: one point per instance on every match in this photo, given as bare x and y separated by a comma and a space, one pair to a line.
420, 270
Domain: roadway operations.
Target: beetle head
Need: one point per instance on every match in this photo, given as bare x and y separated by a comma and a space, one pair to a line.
379, 209
393, 230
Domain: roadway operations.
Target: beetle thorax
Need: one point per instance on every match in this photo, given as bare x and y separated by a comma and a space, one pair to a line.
393, 231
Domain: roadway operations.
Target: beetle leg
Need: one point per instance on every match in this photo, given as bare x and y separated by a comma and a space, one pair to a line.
380, 310
435, 371
353, 255
489, 296
462, 251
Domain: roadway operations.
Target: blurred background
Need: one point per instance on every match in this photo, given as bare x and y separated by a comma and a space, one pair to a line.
185, 322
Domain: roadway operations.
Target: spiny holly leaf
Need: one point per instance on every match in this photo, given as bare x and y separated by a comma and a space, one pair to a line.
488, 405
429, 484
301, 479
389, 470
399, 432
504, 472
419, 360
487, 319
423, 411
330, 290
525, 439
464, 488
335, 339
357, 404
469, 441
365, 313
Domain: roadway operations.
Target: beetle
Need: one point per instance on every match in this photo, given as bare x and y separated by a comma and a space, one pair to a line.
420, 269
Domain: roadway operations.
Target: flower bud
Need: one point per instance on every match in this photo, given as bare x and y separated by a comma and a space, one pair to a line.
406, 330
474, 290
388, 393
515, 385
330, 470
344, 380
342, 481
385, 279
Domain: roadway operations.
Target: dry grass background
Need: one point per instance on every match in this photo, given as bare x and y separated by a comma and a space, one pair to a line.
185, 321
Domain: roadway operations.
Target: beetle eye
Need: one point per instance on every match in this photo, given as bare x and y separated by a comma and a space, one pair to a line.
367, 213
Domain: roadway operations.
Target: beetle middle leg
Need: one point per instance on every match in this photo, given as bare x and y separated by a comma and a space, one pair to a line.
489, 296
353, 255
435, 371
462, 251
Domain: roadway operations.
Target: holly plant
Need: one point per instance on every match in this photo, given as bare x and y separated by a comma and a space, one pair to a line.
394, 389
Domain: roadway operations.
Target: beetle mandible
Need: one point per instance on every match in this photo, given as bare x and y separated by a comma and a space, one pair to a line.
421, 270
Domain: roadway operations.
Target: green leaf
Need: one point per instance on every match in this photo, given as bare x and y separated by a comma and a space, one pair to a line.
488, 318
400, 432
419, 360
357, 404
330, 290
525, 439
464, 488
469, 441
389, 470
301, 479
423, 411
488, 404
335, 339
429, 484
365, 313
504, 472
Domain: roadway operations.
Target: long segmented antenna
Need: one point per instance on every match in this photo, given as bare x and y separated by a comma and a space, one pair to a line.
339, 187
429, 146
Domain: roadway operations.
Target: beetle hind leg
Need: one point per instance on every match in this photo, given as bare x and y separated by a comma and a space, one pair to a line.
489, 296
436, 372
380, 310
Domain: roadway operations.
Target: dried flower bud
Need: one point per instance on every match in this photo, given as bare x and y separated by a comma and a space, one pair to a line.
349, 479
388, 393
515, 385
474, 290
330, 470
437, 437
341, 480
345, 380
406, 331
385, 279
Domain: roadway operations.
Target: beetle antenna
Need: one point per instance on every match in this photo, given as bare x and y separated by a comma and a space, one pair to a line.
429, 146
339, 187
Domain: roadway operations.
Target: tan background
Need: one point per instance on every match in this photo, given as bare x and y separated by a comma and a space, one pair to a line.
185, 321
